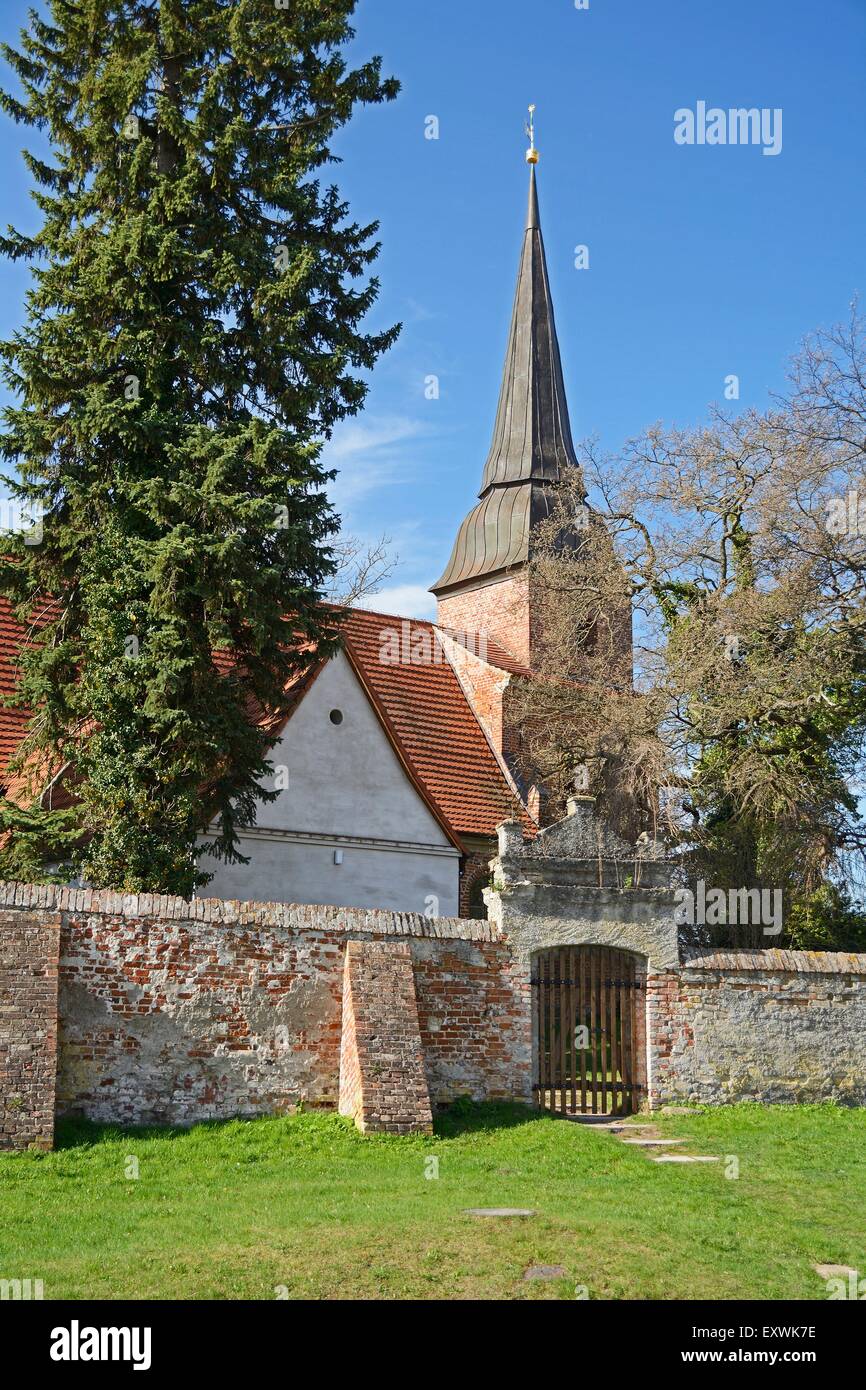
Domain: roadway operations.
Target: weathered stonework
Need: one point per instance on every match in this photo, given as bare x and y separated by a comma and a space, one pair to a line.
382, 1082
174, 1012
536, 918
577, 884
763, 1026
29, 950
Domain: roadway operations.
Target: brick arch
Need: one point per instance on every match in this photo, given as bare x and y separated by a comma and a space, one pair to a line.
474, 878
477, 907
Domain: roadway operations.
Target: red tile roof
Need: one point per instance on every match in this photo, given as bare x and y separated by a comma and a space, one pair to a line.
487, 649
430, 720
416, 694
12, 721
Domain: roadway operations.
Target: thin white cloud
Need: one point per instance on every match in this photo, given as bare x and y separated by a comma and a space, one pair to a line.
369, 435
416, 312
369, 454
406, 600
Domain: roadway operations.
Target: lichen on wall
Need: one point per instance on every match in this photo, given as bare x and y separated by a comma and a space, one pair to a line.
764, 1025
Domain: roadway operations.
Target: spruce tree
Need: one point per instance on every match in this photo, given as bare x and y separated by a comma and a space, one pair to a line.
192, 336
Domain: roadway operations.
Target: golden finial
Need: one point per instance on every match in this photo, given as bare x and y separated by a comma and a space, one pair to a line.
532, 152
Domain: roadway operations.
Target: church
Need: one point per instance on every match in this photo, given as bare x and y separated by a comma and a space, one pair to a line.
398, 751
394, 762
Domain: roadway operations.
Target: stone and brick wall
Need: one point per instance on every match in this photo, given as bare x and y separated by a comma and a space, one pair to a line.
29, 951
760, 1025
173, 1012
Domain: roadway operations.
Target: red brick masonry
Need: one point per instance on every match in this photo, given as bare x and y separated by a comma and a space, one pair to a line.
29, 950
173, 1012
382, 1079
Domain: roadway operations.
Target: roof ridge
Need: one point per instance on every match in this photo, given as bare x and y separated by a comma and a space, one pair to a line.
400, 617
436, 731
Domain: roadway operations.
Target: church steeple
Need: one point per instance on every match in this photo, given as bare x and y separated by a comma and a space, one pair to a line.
532, 445
532, 433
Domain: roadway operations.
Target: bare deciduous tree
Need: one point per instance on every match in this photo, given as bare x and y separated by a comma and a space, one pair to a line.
361, 569
741, 547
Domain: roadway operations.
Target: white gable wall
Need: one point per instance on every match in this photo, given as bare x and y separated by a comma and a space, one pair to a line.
347, 792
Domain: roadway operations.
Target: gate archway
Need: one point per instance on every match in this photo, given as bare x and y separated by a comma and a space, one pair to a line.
587, 1030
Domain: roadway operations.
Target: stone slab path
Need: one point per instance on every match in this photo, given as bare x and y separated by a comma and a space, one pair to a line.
497, 1211
654, 1143
685, 1158
546, 1272
645, 1135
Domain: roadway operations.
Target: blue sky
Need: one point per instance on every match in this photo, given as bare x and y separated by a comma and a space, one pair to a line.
704, 260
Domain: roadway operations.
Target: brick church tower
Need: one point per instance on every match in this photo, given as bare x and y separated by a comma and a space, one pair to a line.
485, 587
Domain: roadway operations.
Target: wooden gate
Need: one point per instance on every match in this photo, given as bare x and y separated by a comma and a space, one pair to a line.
586, 1000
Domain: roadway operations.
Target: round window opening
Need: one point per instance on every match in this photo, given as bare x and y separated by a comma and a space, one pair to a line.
336, 716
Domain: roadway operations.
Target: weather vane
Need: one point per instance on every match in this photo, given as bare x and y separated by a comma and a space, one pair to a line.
532, 152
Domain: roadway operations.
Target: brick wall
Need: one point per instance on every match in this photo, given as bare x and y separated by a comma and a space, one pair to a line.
474, 1008
474, 875
173, 1012
483, 684
494, 692
512, 611
29, 950
500, 609
351, 1099
662, 994
383, 1085
490, 691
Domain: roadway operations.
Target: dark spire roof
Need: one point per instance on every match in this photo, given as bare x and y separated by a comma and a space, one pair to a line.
532, 442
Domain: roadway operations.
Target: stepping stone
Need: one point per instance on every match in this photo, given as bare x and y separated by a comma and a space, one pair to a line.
608, 1128
546, 1272
632, 1138
684, 1158
654, 1143
834, 1271
497, 1211
602, 1122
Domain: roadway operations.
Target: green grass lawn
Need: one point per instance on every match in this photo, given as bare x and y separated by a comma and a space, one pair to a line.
235, 1210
